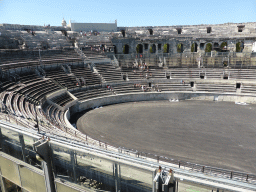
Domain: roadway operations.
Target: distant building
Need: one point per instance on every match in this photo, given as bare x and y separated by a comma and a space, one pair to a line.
108, 27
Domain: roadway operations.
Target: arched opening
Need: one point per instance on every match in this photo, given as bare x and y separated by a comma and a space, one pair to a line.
126, 49
146, 46
216, 46
139, 48
150, 31
194, 47
179, 30
166, 48
239, 47
64, 32
123, 32
223, 46
208, 47
180, 48
159, 46
209, 29
115, 49
152, 49
201, 46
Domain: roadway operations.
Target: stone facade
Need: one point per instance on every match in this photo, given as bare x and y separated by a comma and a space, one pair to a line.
217, 35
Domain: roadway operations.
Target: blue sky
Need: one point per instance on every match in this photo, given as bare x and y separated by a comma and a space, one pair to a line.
128, 12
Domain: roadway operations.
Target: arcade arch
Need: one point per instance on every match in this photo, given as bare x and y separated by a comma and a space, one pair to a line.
208, 47
123, 33
239, 47
216, 46
180, 48
152, 48
126, 49
139, 48
150, 31
223, 46
115, 49
166, 48
194, 47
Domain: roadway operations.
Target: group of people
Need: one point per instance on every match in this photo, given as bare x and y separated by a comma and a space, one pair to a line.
146, 88
142, 68
109, 88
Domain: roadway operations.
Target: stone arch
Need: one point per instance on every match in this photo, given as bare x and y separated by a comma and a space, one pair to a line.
166, 48
180, 48
150, 31
194, 47
201, 46
239, 46
223, 46
152, 48
115, 49
123, 32
139, 48
208, 47
216, 46
126, 49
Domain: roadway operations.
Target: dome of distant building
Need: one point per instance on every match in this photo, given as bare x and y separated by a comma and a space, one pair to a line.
64, 23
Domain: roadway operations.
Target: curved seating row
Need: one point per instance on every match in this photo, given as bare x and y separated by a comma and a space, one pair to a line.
22, 98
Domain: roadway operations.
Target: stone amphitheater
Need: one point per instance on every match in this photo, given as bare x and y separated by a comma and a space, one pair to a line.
49, 74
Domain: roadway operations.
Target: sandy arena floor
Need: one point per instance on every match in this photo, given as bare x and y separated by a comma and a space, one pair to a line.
219, 134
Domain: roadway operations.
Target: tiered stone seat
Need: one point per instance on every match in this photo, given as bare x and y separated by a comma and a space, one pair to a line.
211, 87
91, 93
133, 73
60, 76
109, 72
242, 74
20, 58
38, 90
62, 100
90, 77
184, 73
248, 88
29, 78
174, 86
157, 72
126, 88
213, 73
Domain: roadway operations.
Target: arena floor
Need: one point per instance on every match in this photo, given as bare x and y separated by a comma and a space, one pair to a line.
219, 134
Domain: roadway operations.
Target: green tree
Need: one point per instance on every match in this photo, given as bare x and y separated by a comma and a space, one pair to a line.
137, 49
238, 47
208, 47
223, 44
193, 47
151, 49
179, 48
165, 48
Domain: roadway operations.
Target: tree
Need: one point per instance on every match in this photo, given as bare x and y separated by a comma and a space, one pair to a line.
139, 48
208, 47
193, 47
151, 49
223, 45
179, 48
166, 47
238, 47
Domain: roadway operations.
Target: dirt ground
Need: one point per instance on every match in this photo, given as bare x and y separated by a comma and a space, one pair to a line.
219, 134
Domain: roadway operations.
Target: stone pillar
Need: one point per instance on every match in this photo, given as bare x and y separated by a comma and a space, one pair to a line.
116, 171
2, 187
43, 150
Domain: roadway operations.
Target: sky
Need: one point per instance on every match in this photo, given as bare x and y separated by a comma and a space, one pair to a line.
128, 13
